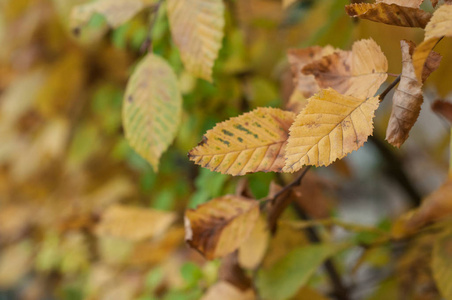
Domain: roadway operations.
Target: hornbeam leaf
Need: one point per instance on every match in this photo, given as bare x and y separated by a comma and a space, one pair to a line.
330, 126
391, 14
442, 263
221, 225
152, 108
116, 12
252, 142
197, 29
439, 26
407, 99
132, 223
357, 73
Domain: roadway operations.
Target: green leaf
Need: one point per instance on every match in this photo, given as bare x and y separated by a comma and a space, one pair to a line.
442, 263
152, 108
289, 274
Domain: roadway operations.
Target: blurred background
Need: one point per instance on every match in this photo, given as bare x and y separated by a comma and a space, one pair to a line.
64, 159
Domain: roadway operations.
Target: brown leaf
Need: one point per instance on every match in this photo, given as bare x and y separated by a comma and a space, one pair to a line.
132, 223
434, 2
439, 26
230, 271
407, 98
443, 108
390, 14
358, 73
221, 225
298, 58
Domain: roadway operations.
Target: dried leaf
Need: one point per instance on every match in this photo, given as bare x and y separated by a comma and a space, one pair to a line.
331, 126
152, 108
358, 73
434, 2
440, 25
252, 142
221, 225
223, 290
298, 58
132, 223
443, 108
391, 14
116, 12
442, 263
407, 98
289, 274
406, 3
197, 29
253, 249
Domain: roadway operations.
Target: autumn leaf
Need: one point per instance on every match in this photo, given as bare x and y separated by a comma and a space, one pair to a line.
287, 3
252, 142
442, 263
116, 12
331, 126
197, 30
407, 99
443, 108
439, 26
133, 223
223, 290
298, 58
406, 3
391, 14
252, 251
221, 225
152, 108
289, 274
357, 73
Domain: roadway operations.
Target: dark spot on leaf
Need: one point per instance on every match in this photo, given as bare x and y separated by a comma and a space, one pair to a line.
130, 98
227, 132
240, 139
223, 141
257, 124
240, 127
76, 31
204, 141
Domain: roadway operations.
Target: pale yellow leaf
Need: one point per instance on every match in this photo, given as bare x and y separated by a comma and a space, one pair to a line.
358, 72
391, 14
152, 108
253, 249
133, 223
407, 99
252, 142
406, 3
223, 290
331, 126
15, 262
442, 263
439, 26
298, 58
116, 12
221, 225
287, 3
197, 30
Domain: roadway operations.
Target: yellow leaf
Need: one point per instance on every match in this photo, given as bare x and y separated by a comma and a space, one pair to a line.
358, 73
331, 126
287, 3
298, 58
406, 3
440, 25
407, 99
197, 30
223, 290
221, 225
442, 263
252, 142
253, 249
391, 14
152, 108
116, 12
132, 223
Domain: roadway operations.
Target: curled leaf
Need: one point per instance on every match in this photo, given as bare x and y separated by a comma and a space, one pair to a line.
439, 26
408, 97
134, 223
252, 142
221, 225
357, 73
331, 126
391, 14
197, 30
152, 108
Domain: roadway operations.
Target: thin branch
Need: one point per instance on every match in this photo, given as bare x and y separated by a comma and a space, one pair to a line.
147, 44
390, 87
294, 183
392, 74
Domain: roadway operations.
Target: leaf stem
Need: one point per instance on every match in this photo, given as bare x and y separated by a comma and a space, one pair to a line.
147, 44
390, 87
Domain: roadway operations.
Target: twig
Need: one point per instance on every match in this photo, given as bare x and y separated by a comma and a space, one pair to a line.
390, 87
392, 74
147, 44
294, 183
